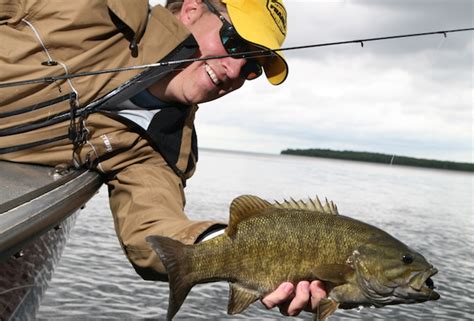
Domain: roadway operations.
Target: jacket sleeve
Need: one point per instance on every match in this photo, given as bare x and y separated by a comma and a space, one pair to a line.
147, 199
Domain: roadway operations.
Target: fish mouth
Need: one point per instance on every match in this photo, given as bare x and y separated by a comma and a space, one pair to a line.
420, 287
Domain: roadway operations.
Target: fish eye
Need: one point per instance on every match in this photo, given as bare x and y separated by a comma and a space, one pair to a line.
407, 258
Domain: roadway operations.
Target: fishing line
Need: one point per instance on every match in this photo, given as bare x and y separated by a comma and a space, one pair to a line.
241, 55
17, 288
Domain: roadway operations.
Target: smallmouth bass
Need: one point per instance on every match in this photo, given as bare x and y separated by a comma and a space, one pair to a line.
267, 243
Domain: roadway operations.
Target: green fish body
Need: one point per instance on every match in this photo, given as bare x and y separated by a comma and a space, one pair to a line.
266, 244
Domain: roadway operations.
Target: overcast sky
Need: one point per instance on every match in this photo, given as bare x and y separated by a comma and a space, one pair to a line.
411, 97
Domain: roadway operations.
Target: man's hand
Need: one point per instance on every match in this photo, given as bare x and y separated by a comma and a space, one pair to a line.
291, 302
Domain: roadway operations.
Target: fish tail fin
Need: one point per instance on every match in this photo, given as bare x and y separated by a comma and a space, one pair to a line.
174, 256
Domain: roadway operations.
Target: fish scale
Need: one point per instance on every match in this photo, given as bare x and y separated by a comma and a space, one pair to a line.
266, 244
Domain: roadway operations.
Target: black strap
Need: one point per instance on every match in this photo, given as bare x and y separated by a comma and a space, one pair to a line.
35, 106
20, 147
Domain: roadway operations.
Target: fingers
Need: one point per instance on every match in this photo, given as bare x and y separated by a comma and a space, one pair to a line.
282, 294
292, 301
318, 292
300, 301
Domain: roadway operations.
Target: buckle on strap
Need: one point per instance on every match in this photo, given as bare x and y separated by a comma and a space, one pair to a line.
77, 131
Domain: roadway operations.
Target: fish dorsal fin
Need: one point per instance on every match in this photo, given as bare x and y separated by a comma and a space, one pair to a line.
240, 298
244, 207
311, 205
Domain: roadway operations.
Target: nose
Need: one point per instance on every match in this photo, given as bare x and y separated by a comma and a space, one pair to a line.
233, 67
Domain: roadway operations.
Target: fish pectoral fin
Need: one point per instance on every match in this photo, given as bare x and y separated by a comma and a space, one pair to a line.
326, 307
334, 273
240, 298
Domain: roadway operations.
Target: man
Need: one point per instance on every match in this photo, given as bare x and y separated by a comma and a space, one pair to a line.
134, 127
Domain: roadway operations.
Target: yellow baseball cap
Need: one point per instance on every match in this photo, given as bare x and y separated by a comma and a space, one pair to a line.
263, 23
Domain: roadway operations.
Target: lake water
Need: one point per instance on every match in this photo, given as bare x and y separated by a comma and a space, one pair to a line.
430, 210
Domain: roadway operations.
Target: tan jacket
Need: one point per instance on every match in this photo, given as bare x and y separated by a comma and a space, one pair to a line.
44, 38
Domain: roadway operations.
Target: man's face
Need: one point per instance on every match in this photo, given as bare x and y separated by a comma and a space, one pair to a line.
203, 81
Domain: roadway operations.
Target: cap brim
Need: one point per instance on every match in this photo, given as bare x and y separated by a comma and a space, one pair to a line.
275, 66
276, 69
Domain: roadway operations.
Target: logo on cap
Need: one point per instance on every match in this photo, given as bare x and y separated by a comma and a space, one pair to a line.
278, 13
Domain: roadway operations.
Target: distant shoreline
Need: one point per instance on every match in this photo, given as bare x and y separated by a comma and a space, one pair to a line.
381, 158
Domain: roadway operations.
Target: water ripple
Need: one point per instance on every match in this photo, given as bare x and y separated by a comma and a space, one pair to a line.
430, 211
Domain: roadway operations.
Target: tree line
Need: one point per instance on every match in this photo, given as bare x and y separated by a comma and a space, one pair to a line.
381, 158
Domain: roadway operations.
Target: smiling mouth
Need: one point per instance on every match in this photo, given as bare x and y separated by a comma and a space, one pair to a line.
212, 75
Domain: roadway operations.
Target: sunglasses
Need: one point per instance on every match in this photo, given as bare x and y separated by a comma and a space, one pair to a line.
234, 43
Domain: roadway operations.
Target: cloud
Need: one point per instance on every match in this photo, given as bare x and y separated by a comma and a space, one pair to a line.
409, 96
328, 21
360, 103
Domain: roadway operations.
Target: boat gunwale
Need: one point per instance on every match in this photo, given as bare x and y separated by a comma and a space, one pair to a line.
29, 216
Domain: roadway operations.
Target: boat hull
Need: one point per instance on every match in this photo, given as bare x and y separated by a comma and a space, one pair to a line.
25, 277
38, 206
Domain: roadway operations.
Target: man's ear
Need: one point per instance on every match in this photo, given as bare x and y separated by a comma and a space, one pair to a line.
191, 11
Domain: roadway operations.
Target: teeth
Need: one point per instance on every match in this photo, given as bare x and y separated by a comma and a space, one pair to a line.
212, 75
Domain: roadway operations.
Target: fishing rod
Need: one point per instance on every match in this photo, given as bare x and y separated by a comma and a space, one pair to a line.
246, 55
